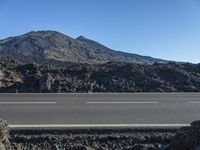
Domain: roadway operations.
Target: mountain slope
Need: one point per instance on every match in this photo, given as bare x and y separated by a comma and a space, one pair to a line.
44, 47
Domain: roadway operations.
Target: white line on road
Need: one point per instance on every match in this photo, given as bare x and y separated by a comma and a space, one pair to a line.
121, 102
96, 125
194, 102
27, 103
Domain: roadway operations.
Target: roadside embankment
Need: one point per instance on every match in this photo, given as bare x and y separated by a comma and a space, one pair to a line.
186, 138
93, 139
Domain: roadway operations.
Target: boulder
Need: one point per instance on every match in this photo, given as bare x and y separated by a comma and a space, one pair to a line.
5, 144
4, 136
46, 82
187, 138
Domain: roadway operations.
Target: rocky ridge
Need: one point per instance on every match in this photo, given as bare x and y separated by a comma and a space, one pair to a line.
108, 77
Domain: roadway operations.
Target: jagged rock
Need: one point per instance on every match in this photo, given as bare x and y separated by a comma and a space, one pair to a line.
4, 136
188, 138
46, 82
5, 144
144, 147
8, 77
1, 75
195, 124
108, 77
16, 146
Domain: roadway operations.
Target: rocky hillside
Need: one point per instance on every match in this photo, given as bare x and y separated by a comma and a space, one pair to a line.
50, 47
108, 77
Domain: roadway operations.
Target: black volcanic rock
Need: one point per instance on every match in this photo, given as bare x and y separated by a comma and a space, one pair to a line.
108, 77
51, 47
187, 138
92, 139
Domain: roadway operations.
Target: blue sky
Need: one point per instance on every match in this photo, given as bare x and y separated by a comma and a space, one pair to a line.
168, 29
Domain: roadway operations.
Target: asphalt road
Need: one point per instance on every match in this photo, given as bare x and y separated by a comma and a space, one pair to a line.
100, 109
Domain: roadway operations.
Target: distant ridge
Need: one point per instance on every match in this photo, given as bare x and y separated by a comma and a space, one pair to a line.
44, 47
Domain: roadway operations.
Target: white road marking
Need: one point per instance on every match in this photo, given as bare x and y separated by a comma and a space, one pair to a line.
194, 102
27, 103
96, 125
121, 102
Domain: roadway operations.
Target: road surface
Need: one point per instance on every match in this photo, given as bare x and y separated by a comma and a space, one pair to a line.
89, 110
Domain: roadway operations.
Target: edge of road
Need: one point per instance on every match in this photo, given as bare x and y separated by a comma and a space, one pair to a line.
96, 126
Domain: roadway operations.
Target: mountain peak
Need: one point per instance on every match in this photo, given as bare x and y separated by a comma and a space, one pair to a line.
45, 32
81, 38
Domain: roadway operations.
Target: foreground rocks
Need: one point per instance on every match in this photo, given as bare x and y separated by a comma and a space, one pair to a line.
186, 138
109, 77
94, 139
5, 143
4, 136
